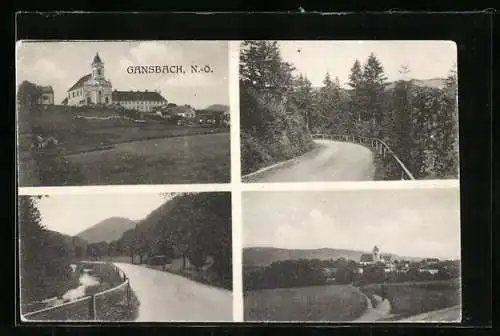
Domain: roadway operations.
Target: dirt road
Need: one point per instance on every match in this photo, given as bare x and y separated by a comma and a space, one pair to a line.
372, 314
165, 297
330, 161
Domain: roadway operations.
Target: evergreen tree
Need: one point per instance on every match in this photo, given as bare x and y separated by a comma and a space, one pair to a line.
333, 114
358, 96
303, 98
374, 84
273, 127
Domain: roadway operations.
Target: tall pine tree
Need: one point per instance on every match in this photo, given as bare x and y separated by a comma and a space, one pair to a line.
358, 96
374, 80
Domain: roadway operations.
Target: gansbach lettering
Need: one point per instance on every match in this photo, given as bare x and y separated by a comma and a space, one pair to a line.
155, 69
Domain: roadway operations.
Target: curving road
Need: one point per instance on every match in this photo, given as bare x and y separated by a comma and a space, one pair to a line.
165, 297
330, 161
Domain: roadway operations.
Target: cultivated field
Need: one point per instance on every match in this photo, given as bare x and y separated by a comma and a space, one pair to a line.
316, 303
408, 299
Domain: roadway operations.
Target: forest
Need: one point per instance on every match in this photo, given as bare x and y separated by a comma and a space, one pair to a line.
280, 109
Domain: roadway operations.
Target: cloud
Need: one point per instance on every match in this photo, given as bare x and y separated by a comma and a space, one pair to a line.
152, 53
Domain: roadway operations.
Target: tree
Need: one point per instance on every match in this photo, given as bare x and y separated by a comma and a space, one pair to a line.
262, 67
358, 96
273, 127
374, 85
302, 98
332, 112
31, 238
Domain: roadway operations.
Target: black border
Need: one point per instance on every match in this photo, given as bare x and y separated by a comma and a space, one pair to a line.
471, 31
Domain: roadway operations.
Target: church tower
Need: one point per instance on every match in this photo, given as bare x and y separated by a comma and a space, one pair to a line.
376, 255
97, 68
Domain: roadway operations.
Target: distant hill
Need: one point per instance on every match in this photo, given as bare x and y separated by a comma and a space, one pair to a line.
438, 83
218, 108
264, 256
107, 230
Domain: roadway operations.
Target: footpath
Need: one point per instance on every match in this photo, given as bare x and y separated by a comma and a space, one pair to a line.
373, 313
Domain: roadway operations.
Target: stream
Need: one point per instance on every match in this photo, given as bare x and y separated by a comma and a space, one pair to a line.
86, 280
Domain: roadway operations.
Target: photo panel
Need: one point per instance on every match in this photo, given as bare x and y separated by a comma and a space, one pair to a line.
144, 257
122, 112
387, 255
327, 111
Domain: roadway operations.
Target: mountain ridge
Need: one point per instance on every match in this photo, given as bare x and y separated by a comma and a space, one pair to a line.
435, 82
264, 256
107, 230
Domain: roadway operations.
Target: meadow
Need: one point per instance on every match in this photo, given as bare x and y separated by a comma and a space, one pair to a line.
413, 298
333, 303
119, 150
191, 159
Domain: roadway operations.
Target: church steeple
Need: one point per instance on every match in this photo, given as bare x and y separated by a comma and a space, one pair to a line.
97, 59
376, 256
97, 68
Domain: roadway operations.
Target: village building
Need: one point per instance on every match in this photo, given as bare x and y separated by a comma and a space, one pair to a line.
46, 95
95, 89
142, 101
183, 111
370, 258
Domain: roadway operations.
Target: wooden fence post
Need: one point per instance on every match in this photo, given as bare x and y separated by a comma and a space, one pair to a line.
128, 300
92, 309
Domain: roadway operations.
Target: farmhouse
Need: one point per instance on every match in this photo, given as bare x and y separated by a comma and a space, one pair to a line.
46, 95
95, 89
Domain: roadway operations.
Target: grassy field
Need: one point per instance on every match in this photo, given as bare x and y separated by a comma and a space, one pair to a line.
408, 299
193, 159
190, 159
316, 303
118, 150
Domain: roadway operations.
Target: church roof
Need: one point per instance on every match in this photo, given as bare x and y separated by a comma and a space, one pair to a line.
79, 83
136, 96
97, 59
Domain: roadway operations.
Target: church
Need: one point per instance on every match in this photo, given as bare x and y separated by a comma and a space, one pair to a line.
95, 89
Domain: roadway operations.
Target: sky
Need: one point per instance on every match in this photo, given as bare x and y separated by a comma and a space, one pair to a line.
409, 223
61, 64
425, 59
71, 214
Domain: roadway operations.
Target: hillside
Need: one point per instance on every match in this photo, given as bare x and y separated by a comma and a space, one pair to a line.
107, 230
264, 256
218, 108
437, 83
191, 225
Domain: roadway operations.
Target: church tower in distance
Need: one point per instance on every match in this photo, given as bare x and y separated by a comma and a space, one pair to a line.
376, 255
97, 68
